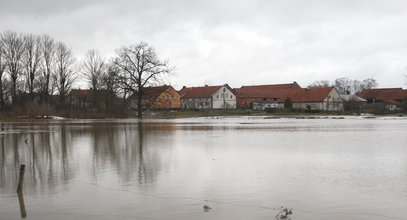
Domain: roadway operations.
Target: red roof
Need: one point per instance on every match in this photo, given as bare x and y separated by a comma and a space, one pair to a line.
184, 90
384, 94
394, 102
306, 95
201, 92
265, 91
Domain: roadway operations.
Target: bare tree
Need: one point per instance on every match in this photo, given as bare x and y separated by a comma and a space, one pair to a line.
93, 68
45, 83
368, 83
109, 80
13, 48
31, 61
2, 70
65, 70
139, 67
343, 85
319, 84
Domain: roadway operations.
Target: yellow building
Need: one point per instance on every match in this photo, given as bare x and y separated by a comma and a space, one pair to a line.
160, 97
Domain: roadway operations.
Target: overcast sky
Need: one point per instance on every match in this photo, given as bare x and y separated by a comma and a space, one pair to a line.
239, 42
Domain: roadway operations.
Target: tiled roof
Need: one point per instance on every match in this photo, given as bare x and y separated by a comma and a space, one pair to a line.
265, 91
384, 94
393, 102
201, 92
184, 90
306, 95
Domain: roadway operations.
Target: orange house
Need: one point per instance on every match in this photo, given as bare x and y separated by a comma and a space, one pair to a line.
160, 97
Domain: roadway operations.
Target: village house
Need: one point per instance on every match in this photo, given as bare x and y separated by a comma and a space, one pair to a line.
208, 97
160, 97
353, 103
88, 98
261, 95
390, 99
313, 99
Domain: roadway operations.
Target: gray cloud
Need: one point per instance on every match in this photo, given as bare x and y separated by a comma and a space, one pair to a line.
236, 42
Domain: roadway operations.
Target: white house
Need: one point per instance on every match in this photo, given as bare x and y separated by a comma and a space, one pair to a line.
208, 97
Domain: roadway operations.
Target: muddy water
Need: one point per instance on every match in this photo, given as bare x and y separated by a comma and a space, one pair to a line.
243, 168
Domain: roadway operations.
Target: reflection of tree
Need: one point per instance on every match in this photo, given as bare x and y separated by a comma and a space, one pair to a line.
46, 156
124, 146
133, 151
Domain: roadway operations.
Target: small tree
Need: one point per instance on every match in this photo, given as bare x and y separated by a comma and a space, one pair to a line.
13, 49
65, 71
288, 104
319, 84
140, 67
2, 70
93, 68
45, 82
31, 60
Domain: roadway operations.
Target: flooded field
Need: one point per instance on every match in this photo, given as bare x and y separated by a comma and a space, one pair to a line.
240, 167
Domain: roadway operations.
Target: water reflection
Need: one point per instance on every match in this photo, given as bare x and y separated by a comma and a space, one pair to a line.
171, 169
53, 156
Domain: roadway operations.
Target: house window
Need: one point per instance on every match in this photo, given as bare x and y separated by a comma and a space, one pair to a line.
231, 96
217, 96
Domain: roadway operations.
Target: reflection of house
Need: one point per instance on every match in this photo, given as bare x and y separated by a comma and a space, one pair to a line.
318, 99
389, 98
247, 95
208, 97
160, 97
85, 98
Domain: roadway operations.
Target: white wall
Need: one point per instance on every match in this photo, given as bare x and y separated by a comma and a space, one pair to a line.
223, 99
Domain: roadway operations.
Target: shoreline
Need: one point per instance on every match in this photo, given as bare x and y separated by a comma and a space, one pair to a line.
7, 117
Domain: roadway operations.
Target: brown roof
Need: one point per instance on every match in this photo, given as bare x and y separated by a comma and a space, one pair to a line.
263, 91
201, 92
306, 95
184, 90
384, 94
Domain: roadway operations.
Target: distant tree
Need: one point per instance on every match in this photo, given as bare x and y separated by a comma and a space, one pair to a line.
344, 85
2, 70
139, 67
319, 84
31, 61
288, 104
65, 74
93, 68
368, 83
13, 49
109, 79
45, 81
348, 86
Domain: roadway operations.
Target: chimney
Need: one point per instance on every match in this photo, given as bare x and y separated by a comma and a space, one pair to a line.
206, 85
184, 87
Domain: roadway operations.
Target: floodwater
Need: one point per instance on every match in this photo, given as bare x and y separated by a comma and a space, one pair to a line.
241, 167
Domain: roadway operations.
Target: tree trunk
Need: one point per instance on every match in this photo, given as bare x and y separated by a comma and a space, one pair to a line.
1, 95
139, 104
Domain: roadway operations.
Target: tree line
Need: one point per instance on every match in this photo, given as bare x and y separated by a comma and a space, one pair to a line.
346, 86
36, 67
